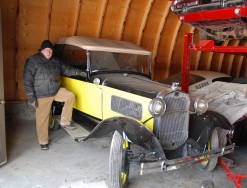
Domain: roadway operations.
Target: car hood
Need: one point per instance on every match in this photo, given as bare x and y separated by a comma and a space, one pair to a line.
135, 84
228, 99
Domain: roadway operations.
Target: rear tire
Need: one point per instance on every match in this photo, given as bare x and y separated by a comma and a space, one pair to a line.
51, 122
213, 143
118, 162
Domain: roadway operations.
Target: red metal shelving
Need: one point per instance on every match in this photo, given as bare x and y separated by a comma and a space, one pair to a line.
204, 45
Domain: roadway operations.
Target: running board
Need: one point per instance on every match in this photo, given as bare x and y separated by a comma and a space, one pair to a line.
77, 134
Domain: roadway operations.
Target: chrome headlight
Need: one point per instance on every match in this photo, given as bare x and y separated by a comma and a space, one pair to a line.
157, 107
201, 105
96, 81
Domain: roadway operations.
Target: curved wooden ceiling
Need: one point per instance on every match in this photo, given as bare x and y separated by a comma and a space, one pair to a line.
148, 23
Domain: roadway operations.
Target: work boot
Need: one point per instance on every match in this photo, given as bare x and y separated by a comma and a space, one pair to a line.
70, 127
44, 146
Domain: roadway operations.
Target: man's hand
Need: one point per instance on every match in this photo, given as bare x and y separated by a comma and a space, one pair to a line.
81, 73
33, 102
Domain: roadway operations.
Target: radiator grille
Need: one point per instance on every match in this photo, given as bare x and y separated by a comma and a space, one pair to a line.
173, 129
126, 107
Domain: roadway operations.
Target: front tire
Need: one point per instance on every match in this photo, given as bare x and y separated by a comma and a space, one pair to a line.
213, 143
118, 162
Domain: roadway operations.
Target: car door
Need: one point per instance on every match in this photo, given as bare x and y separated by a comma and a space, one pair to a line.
87, 94
88, 97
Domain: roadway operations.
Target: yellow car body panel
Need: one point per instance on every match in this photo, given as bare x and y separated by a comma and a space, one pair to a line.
87, 96
95, 100
108, 92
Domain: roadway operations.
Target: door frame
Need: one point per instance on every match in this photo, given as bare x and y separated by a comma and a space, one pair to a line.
3, 152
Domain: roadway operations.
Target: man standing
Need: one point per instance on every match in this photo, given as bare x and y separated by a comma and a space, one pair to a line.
42, 83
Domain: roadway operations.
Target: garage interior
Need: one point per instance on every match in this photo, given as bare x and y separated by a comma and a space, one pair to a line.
148, 23
69, 164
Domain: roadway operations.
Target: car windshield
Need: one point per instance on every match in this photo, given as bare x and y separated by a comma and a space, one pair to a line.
178, 77
119, 62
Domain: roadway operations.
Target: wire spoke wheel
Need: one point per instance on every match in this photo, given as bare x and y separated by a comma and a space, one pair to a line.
118, 162
53, 124
213, 143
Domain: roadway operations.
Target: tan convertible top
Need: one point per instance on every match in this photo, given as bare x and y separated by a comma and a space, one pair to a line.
98, 44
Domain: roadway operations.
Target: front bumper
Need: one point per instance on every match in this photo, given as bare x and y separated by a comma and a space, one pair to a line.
166, 165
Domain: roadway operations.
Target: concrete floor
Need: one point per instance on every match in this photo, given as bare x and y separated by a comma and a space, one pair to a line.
68, 164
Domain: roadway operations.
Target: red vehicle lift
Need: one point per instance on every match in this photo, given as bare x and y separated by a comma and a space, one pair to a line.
215, 14
215, 19
204, 45
236, 178
208, 45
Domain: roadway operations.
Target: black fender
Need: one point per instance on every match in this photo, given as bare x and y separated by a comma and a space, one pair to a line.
201, 126
131, 130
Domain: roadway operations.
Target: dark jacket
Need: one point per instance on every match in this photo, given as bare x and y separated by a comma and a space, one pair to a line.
41, 76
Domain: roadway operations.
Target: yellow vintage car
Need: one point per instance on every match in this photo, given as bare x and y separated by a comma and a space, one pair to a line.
168, 130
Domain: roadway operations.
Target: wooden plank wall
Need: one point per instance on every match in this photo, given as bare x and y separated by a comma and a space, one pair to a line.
154, 26
91, 17
63, 18
33, 27
136, 20
148, 23
9, 14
